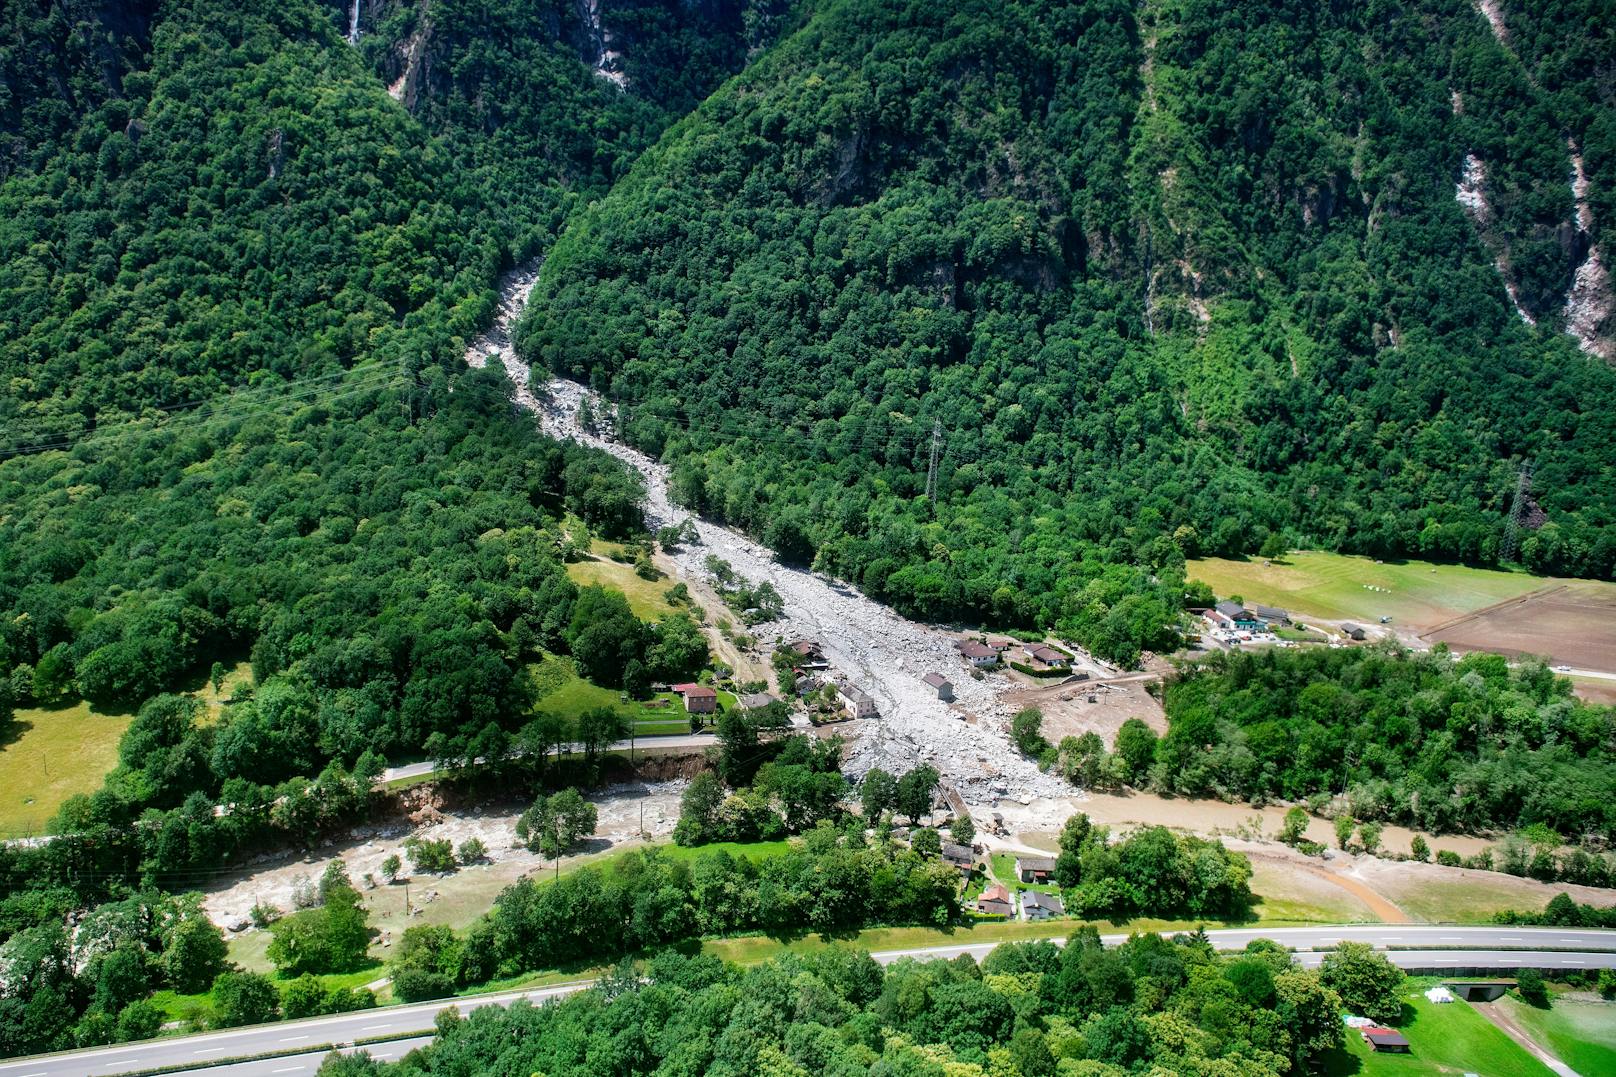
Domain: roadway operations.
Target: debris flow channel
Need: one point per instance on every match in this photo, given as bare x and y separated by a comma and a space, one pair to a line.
867, 644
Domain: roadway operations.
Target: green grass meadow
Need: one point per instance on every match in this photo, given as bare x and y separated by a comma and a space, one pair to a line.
1449, 1039
1580, 1032
51, 754
644, 596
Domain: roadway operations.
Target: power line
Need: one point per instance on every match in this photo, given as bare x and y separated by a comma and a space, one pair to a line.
1517, 513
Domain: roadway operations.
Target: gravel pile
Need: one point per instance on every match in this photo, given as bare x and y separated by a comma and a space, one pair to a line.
866, 643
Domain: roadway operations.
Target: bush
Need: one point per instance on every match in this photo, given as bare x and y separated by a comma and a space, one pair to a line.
1449, 858
244, 998
430, 854
472, 851
1419, 849
1533, 990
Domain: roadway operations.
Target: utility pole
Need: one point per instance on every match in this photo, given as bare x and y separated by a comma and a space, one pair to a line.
1511, 545
931, 467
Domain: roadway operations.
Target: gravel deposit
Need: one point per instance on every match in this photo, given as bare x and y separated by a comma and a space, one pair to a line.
867, 644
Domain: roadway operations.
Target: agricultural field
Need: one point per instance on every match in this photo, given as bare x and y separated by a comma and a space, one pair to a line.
1417, 595
1571, 621
48, 755
1450, 1039
1581, 1031
1574, 622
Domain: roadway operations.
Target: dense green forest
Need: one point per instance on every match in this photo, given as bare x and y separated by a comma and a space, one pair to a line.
1171, 277
1152, 1004
1418, 739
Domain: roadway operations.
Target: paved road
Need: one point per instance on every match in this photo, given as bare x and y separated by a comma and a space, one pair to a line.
1429, 946
643, 744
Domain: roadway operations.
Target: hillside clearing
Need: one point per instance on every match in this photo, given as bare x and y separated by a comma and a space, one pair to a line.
644, 596
50, 755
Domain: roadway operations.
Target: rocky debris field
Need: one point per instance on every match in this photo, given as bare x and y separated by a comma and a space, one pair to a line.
274, 880
867, 644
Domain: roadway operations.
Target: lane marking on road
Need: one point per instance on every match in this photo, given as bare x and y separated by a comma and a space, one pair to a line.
292, 1039
372, 1028
290, 1069
1575, 961
1510, 938
120, 1062
211, 1051
1450, 938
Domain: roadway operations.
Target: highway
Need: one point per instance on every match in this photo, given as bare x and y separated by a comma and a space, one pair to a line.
1412, 946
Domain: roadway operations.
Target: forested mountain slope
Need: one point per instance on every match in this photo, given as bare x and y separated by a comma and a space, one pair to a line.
236, 418
239, 280
1171, 277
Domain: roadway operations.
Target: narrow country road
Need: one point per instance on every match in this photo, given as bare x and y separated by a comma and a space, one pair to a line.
1426, 947
664, 743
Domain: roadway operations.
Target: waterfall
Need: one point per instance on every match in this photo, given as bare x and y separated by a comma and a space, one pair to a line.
353, 23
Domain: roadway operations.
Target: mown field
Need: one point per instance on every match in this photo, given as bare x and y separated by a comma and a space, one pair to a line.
644, 596
50, 755
1582, 1032
1450, 1039
1415, 594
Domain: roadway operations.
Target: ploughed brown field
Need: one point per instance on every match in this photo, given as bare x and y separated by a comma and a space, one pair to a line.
1573, 623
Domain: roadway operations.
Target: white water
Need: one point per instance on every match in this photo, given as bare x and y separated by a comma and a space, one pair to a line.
353, 23
872, 646
607, 61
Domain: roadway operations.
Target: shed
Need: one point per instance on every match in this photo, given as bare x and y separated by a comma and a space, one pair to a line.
1352, 631
961, 856
941, 685
1385, 1039
1273, 615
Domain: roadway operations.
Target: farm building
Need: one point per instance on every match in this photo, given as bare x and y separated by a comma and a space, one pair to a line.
1037, 905
1233, 615
699, 698
1352, 631
1035, 869
1272, 615
807, 654
995, 901
940, 684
